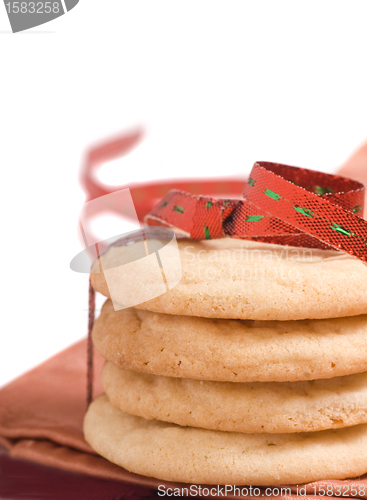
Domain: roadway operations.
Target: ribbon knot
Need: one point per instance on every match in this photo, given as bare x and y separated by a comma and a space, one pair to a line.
212, 217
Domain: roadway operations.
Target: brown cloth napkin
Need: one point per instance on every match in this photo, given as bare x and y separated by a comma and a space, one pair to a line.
41, 414
26, 480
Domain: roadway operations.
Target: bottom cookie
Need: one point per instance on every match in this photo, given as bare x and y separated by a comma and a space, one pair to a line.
191, 455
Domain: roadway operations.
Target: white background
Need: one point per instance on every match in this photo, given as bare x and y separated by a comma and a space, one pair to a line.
216, 85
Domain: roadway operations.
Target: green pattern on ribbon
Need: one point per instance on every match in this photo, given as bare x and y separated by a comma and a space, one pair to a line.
254, 218
273, 195
357, 209
304, 211
164, 203
206, 232
322, 190
178, 209
208, 205
251, 182
226, 202
341, 229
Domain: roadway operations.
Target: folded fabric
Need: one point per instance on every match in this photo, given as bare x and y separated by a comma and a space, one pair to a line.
26, 480
41, 416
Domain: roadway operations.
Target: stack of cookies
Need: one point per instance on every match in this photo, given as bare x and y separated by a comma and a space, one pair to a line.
252, 370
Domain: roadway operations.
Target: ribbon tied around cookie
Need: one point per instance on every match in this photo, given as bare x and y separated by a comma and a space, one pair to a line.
282, 205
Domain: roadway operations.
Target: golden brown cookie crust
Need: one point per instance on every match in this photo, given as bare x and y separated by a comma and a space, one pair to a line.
231, 278
190, 455
229, 350
271, 407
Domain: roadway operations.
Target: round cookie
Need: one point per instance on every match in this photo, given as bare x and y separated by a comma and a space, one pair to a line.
258, 407
231, 278
231, 350
187, 454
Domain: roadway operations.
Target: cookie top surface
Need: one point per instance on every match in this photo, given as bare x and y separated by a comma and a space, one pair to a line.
239, 279
187, 454
231, 350
258, 407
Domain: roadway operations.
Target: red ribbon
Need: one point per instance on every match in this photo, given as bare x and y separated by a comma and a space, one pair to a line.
145, 195
281, 204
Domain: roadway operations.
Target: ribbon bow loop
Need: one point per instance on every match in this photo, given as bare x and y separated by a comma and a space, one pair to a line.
282, 204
